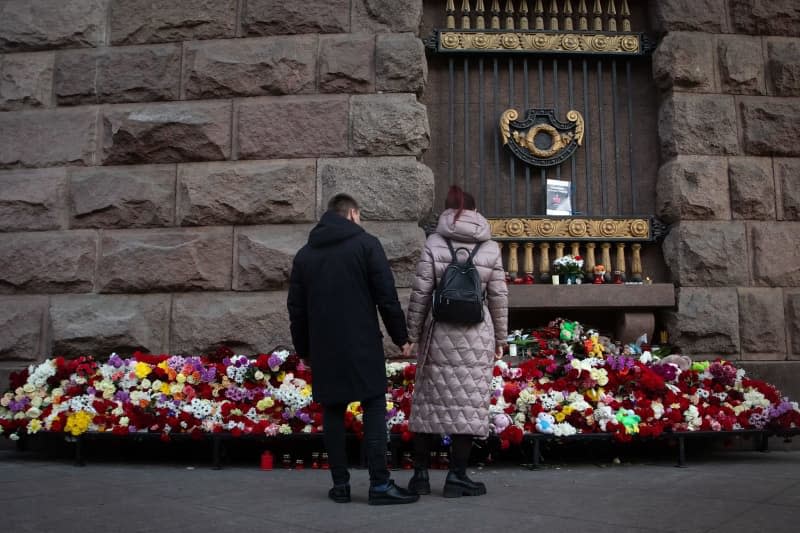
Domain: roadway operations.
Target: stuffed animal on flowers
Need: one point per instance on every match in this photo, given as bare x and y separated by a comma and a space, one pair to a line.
545, 423
592, 346
629, 419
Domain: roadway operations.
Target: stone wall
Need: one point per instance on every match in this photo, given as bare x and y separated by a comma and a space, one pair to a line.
162, 161
729, 184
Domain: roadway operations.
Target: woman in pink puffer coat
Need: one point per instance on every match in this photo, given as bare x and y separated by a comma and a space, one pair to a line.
454, 361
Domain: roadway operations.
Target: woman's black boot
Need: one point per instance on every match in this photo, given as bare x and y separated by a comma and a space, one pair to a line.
419, 482
458, 484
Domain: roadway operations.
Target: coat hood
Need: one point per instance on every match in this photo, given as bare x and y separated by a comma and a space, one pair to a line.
332, 228
470, 226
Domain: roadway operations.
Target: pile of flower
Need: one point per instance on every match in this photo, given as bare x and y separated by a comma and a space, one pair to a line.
570, 381
266, 395
575, 381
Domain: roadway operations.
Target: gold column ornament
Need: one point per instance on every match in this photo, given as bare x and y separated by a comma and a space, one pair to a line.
626, 16
500, 249
480, 22
554, 15
576, 249
636, 262
544, 260
598, 15
589, 262
450, 9
538, 11
509, 14
465, 22
621, 257
529, 258
513, 259
523, 15
606, 258
568, 15
583, 19
495, 14
559, 250
612, 15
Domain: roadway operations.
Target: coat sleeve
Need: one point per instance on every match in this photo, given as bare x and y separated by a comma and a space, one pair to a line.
384, 292
297, 304
497, 295
421, 294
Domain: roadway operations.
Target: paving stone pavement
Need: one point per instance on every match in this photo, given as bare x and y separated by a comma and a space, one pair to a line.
731, 492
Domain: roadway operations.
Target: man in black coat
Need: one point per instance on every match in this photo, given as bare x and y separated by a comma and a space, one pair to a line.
340, 281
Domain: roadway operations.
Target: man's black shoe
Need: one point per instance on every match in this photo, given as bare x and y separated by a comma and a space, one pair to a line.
391, 496
458, 484
340, 494
419, 482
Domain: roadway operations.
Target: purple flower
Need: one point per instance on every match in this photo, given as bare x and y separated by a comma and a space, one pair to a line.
20, 405
115, 361
226, 361
175, 362
91, 391
209, 374
274, 361
122, 396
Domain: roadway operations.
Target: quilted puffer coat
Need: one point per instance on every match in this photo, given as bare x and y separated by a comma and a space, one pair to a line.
454, 365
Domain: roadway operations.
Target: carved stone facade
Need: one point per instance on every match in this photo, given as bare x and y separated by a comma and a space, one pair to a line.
161, 161
729, 74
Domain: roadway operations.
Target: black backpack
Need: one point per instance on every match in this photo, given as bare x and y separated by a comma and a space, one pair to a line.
458, 297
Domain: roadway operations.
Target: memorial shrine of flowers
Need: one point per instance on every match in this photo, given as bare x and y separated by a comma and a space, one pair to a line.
565, 381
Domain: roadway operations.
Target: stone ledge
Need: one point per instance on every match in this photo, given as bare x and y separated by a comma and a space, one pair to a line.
588, 296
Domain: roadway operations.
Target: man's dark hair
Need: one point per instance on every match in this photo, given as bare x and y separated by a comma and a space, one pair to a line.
341, 204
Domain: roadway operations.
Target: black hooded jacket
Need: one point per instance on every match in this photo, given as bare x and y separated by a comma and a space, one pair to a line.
340, 281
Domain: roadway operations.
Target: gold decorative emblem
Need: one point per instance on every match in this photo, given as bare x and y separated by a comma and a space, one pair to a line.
451, 40
629, 43
540, 139
480, 40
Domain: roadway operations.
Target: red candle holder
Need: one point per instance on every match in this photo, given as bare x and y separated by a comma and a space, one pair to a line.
266, 461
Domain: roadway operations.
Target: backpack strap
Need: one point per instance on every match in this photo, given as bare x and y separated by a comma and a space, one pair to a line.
453, 251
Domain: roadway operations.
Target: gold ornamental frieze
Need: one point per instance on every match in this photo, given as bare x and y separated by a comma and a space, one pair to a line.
539, 42
572, 228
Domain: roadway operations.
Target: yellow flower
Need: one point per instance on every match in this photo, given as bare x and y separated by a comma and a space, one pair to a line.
78, 423
281, 377
142, 370
34, 426
560, 416
567, 410
180, 378
265, 403
163, 365
305, 392
354, 408
164, 388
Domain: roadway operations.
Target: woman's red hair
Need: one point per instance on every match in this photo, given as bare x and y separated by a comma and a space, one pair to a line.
459, 200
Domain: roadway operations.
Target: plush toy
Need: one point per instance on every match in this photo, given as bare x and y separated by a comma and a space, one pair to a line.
569, 331
597, 347
544, 423
684, 362
603, 415
629, 419
599, 274
500, 422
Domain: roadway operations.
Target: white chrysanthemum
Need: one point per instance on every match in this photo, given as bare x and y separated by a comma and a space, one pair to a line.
39, 374
82, 403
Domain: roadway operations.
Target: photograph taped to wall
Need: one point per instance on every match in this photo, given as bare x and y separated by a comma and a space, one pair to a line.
559, 197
